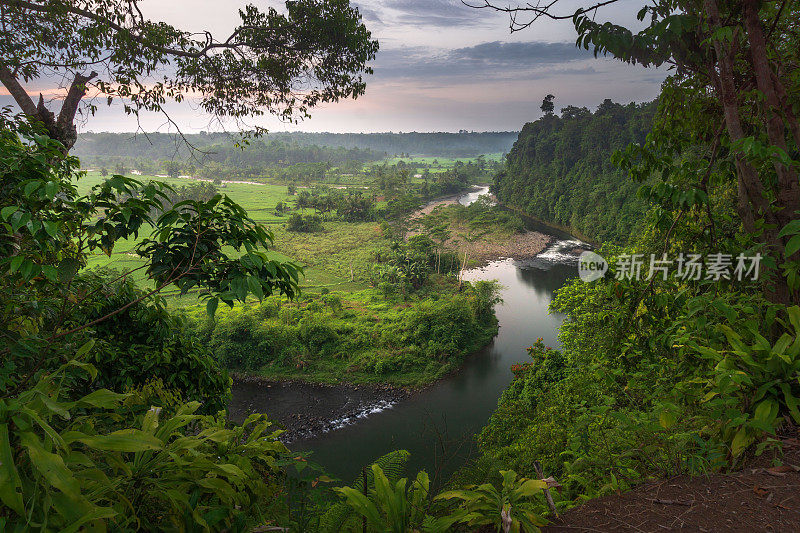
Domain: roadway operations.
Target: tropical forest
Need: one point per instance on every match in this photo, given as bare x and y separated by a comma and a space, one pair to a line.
415, 267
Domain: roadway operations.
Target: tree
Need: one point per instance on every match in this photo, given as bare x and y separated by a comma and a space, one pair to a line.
735, 64
278, 63
172, 168
547, 105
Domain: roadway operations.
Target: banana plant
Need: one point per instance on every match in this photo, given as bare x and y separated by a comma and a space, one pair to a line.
509, 509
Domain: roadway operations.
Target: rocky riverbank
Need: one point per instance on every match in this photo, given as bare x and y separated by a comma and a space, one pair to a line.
307, 409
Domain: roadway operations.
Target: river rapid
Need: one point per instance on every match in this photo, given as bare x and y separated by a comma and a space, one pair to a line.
352, 426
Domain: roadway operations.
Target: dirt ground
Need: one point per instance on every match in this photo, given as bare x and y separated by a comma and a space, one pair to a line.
758, 498
519, 245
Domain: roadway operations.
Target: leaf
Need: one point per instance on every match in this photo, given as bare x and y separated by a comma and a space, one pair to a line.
102, 398
666, 419
10, 483
792, 246
794, 318
51, 228
98, 513
792, 228
124, 440
211, 306
7, 211
67, 269
85, 348
740, 441
49, 465
766, 411
16, 261
217, 485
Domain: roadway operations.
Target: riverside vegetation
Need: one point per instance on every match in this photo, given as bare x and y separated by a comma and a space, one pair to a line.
110, 419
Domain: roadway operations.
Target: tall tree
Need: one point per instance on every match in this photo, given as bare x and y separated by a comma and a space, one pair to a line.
547, 105
280, 63
736, 64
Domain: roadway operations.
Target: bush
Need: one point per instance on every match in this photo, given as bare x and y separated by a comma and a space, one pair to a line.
102, 462
146, 342
304, 223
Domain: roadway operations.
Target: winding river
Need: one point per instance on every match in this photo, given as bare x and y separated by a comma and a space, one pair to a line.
438, 424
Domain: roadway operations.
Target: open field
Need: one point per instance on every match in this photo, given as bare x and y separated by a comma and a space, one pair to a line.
326, 256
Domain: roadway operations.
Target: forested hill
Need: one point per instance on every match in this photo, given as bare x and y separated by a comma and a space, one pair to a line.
159, 146
559, 170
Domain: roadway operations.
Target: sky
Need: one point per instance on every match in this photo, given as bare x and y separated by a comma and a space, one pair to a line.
442, 66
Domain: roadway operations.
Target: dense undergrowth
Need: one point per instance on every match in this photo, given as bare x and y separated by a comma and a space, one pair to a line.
357, 337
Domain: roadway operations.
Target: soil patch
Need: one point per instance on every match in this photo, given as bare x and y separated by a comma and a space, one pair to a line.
758, 498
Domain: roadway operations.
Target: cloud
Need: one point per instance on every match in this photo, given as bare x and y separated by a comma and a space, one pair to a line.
492, 58
437, 13
369, 15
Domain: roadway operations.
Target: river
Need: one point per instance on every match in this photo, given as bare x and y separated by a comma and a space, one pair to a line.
438, 424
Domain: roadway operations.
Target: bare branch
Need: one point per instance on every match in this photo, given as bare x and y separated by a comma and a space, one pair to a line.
535, 11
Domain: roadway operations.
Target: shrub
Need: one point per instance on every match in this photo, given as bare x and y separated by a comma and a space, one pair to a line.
305, 223
101, 462
146, 342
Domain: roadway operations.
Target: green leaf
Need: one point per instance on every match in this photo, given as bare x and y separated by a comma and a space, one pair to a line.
740, 441
7, 211
10, 483
16, 262
124, 440
792, 246
51, 228
85, 348
211, 306
766, 411
50, 189
666, 419
67, 269
102, 399
98, 513
49, 465
792, 228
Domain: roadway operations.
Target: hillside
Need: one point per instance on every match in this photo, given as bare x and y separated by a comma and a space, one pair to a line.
559, 170
169, 146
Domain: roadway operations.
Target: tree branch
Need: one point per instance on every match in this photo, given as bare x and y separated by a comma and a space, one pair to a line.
76, 93
19, 93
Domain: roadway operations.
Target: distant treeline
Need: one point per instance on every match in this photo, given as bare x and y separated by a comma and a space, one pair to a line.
559, 169
300, 147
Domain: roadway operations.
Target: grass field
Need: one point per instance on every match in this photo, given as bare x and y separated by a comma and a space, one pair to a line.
442, 163
327, 257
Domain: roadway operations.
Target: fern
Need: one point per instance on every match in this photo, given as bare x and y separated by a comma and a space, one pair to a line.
341, 515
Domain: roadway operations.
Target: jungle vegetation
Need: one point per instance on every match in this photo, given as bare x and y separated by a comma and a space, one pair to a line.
654, 377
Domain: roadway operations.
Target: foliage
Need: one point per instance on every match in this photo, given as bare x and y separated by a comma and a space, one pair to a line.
559, 170
284, 63
391, 503
93, 463
47, 230
304, 223
507, 509
361, 337
145, 342
397, 507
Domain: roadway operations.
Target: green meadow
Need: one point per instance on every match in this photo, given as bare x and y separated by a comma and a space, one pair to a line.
326, 256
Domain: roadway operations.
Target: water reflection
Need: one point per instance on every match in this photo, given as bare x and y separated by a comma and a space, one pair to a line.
437, 425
